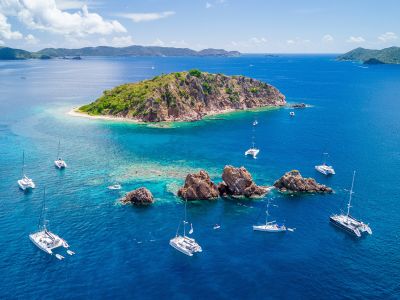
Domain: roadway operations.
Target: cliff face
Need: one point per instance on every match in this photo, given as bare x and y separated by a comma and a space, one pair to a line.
184, 96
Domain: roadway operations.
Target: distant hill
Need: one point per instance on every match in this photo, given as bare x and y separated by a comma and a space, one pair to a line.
183, 96
134, 51
389, 55
10, 53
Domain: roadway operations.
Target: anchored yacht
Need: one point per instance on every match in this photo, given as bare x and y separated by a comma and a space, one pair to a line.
59, 163
270, 226
184, 243
253, 151
25, 183
324, 168
46, 240
114, 187
348, 223
292, 114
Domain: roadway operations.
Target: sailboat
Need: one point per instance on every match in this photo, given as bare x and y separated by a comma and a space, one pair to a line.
59, 163
253, 151
324, 168
46, 240
270, 226
185, 244
25, 183
346, 222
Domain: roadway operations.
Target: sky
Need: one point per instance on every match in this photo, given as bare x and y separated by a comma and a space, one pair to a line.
252, 26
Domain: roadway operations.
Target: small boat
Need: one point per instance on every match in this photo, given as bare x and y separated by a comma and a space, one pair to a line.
252, 152
216, 226
270, 226
255, 123
44, 239
348, 223
324, 168
292, 114
59, 163
114, 187
25, 183
185, 244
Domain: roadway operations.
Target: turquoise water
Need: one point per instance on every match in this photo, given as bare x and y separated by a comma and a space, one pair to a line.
123, 251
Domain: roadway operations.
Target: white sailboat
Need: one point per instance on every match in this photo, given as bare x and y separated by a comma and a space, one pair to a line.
46, 240
59, 163
185, 244
270, 226
324, 168
253, 151
346, 222
25, 183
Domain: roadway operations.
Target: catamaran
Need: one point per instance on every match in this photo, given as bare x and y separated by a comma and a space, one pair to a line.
46, 240
253, 151
346, 222
270, 226
324, 168
25, 183
59, 163
184, 243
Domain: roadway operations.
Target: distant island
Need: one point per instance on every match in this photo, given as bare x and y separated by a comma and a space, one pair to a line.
183, 96
11, 53
389, 55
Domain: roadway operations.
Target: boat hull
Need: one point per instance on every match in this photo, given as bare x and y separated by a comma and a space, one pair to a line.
268, 228
350, 231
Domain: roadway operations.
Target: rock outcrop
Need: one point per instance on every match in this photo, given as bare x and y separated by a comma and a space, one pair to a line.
238, 182
198, 187
140, 196
184, 96
293, 182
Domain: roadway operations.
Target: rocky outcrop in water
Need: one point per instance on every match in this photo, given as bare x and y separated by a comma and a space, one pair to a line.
198, 187
293, 182
140, 196
238, 182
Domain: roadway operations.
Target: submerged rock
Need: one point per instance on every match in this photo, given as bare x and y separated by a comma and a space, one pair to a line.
238, 182
198, 187
293, 182
140, 196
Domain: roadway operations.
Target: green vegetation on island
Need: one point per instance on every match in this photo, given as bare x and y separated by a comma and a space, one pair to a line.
184, 96
11, 53
389, 55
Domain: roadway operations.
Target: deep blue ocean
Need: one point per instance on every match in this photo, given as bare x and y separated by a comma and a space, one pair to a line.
123, 251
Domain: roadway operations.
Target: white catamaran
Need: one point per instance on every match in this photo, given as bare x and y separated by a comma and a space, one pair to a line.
347, 223
45, 239
59, 163
184, 243
270, 226
25, 183
253, 151
324, 168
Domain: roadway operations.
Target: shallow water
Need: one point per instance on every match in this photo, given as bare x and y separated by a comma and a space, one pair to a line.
123, 251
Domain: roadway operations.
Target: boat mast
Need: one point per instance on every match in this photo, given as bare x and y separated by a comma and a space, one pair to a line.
23, 162
350, 194
325, 156
58, 150
43, 213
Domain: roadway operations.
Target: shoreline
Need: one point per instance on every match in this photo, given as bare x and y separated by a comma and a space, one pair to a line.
75, 113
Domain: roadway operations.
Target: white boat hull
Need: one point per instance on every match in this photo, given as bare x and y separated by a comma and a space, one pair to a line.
47, 241
185, 245
26, 184
252, 152
60, 164
269, 228
326, 170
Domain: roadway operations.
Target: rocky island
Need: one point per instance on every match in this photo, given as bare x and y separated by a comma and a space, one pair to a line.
183, 96
293, 182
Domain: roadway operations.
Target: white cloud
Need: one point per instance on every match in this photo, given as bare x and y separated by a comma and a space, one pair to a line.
5, 30
158, 42
327, 38
45, 15
388, 37
30, 39
69, 4
290, 42
298, 41
356, 39
256, 40
145, 17
209, 5
1, 42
